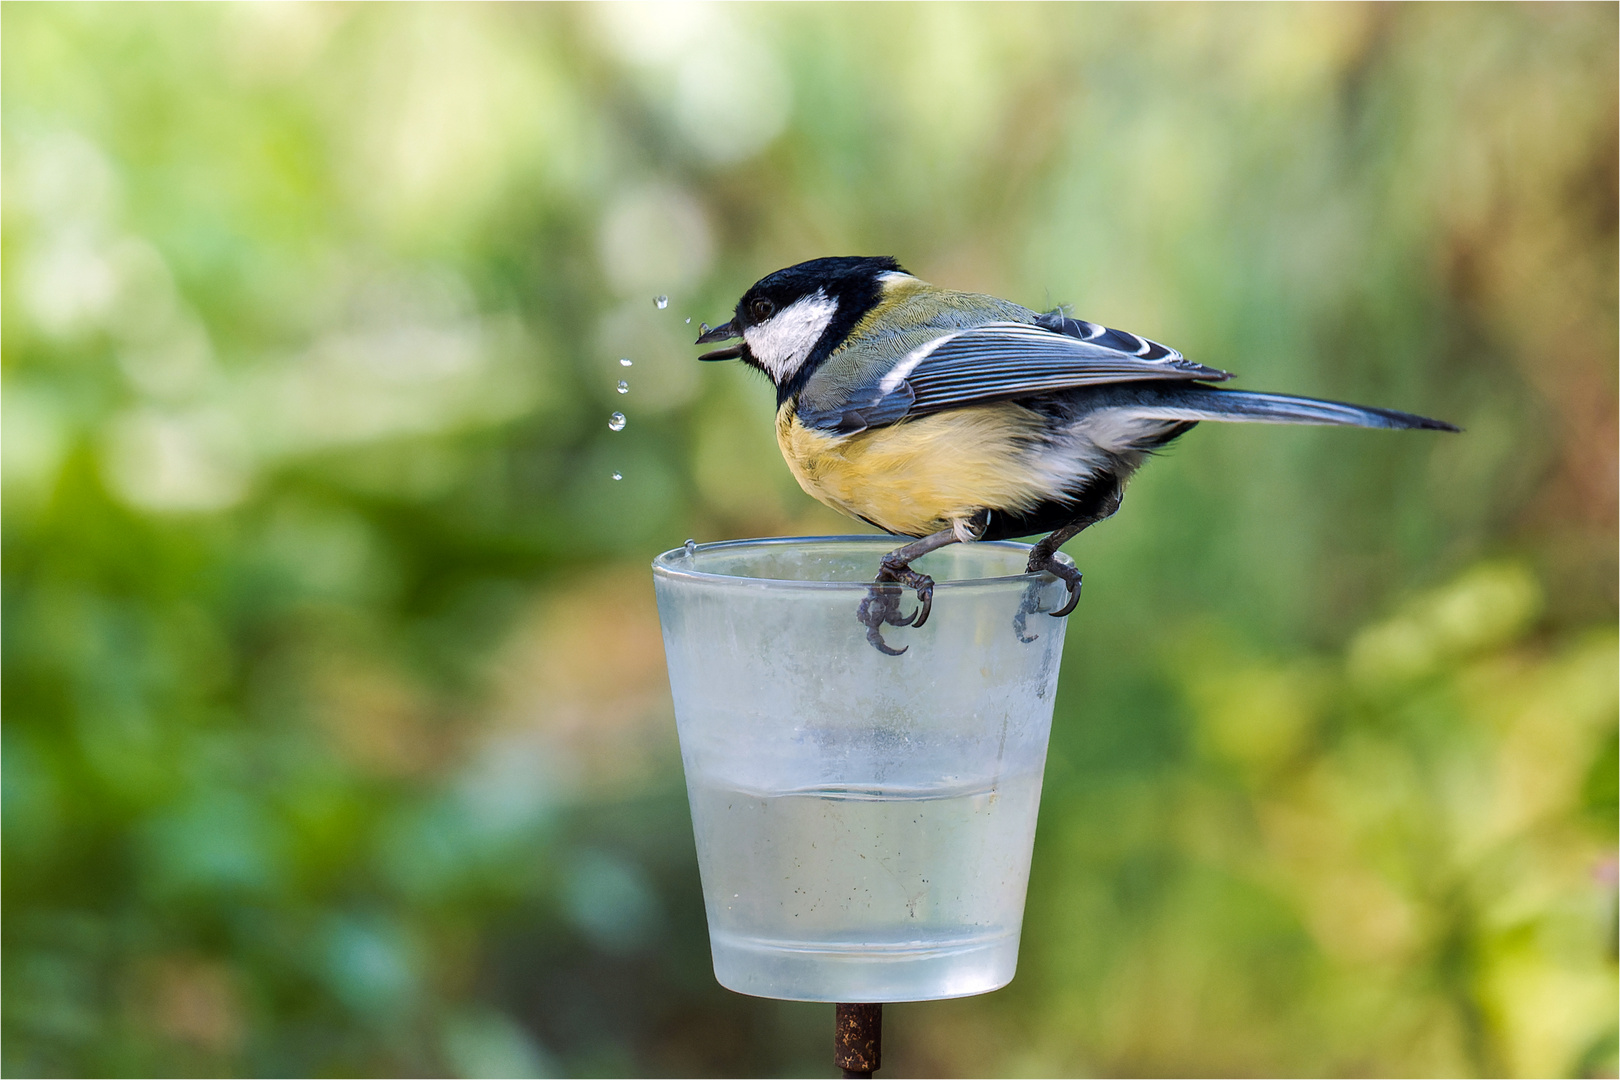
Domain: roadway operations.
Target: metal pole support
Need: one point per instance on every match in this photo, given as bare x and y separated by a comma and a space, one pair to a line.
858, 1039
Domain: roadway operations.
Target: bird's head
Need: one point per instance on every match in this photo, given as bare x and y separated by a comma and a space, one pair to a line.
791, 320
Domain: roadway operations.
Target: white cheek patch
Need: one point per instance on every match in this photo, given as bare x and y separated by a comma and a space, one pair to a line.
783, 342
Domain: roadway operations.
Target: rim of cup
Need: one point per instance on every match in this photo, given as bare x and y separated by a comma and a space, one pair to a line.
670, 564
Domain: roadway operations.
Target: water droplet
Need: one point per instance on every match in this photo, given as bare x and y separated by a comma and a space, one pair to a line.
617, 475
661, 301
689, 320
623, 387
691, 548
616, 421
624, 361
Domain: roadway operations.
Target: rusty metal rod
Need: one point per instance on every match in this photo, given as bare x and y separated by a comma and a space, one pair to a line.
858, 1039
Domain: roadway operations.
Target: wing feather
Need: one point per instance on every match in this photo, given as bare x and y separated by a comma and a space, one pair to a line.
1001, 361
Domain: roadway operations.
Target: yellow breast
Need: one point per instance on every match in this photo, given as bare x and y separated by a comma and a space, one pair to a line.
921, 475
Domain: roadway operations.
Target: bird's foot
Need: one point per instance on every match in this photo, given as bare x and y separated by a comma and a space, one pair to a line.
1032, 602
892, 569
882, 604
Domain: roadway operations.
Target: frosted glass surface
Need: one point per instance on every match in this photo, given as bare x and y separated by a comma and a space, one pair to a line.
864, 822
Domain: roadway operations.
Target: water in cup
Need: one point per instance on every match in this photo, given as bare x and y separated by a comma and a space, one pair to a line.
932, 878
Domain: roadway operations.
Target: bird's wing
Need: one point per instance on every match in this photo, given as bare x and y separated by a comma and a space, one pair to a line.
996, 362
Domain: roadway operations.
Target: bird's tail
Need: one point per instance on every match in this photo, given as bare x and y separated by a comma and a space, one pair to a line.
1250, 406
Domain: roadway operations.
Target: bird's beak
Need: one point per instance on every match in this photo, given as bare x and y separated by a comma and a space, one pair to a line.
720, 333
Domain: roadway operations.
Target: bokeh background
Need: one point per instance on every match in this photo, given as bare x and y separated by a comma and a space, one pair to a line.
337, 739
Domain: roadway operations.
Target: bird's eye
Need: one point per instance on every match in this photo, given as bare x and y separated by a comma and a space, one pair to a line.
762, 310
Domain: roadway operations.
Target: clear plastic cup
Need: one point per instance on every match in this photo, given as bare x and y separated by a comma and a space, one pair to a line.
864, 822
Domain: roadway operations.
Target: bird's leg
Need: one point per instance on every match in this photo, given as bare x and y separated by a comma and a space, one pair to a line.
1042, 557
882, 603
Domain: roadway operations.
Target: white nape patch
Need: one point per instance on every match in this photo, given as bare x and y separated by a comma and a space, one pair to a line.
782, 343
894, 277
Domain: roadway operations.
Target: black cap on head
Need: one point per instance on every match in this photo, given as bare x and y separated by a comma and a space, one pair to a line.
840, 277
844, 288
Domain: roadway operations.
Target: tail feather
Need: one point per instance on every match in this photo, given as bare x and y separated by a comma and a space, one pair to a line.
1255, 407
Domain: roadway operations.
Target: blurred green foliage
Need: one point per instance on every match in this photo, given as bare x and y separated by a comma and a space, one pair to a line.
337, 739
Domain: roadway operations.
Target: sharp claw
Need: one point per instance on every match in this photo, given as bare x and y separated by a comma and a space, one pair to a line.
1031, 605
881, 606
875, 636
925, 604
1074, 598
1062, 573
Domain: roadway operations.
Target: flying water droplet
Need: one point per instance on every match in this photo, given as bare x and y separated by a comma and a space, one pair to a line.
624, 361
617, 475
691, 548
623, 387
616, 421
661, 301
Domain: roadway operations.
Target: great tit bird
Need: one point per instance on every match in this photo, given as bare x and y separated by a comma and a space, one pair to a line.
955, 417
